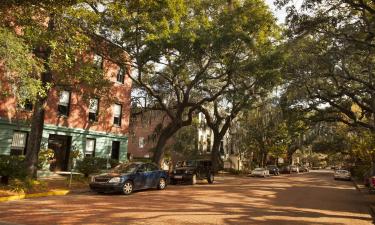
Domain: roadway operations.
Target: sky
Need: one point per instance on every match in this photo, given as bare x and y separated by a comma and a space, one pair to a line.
280, 14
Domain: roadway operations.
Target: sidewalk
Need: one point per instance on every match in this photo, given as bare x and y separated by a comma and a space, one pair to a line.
55, 185
370, 198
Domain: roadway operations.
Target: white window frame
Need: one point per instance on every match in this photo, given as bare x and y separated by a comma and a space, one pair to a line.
98, 60
117, 114
94, 110
121, 73
141, 142
19, 141
90, 152
64, 101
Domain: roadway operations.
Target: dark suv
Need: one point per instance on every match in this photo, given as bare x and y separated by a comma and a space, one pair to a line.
192, 170
273, 170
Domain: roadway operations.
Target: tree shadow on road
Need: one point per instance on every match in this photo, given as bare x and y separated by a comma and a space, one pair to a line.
289, 200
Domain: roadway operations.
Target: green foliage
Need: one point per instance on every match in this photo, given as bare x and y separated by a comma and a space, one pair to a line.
330, 60
27, 185
44, 156
91, 165
185, 142
186, 53
268, 133
12, 167
19, 64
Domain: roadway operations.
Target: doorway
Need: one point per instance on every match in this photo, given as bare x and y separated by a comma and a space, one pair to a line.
115, 154
61, 145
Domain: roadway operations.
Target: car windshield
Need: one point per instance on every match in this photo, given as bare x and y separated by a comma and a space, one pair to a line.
342, 171
191, 163
125, 168
258, 169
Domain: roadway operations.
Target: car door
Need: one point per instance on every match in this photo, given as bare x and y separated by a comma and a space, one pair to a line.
140, 177
151, 176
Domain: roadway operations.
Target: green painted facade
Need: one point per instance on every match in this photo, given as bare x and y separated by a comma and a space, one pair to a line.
103, 145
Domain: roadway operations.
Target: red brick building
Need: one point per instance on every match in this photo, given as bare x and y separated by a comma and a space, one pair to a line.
143, 133
96, 126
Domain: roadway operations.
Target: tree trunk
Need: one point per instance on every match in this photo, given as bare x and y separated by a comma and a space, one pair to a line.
164, 136
217, 161
35, 137
37, 121
4, 180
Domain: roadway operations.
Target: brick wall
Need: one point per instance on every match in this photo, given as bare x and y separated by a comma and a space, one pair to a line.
78, 114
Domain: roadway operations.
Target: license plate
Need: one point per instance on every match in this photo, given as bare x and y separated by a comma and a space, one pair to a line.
178, 177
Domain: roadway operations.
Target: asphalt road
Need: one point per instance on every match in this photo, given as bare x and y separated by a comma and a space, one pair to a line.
311, 198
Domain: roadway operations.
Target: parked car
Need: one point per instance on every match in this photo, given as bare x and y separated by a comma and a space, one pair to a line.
303, 169
260, 172
294, 168
285, 169
273, 169
342, 175
129, 177
192, 170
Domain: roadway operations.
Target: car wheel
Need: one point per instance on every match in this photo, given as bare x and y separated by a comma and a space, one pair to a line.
193, 179
127, 189
162, 184
210, 178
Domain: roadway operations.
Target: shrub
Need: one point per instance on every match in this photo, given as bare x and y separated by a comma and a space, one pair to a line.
44, 156
90, 165
12, 167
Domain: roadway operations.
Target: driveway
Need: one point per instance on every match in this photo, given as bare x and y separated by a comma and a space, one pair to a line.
310, 198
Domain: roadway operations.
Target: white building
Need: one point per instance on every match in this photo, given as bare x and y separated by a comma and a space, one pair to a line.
231, 157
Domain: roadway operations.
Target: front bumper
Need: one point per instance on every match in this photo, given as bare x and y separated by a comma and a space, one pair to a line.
258, 175
274, 172
106, 187
181, 177
342, 177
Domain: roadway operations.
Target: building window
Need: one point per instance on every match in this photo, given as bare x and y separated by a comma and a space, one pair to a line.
64, 103
94, 109
208, 144
117, 114
18, 143
141, 143
98, 61
90, 148
121, 75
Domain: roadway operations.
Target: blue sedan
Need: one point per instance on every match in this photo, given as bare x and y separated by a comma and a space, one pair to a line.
129, 177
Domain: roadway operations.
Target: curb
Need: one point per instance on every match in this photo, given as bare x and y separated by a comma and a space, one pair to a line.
35, 195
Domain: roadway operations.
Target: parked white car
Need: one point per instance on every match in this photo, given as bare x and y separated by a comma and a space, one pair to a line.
342, 175
294, 169
260, 172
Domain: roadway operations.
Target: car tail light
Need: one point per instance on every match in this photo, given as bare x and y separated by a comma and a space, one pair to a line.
373, 180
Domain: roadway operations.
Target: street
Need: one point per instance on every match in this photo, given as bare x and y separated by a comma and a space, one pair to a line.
309, 198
